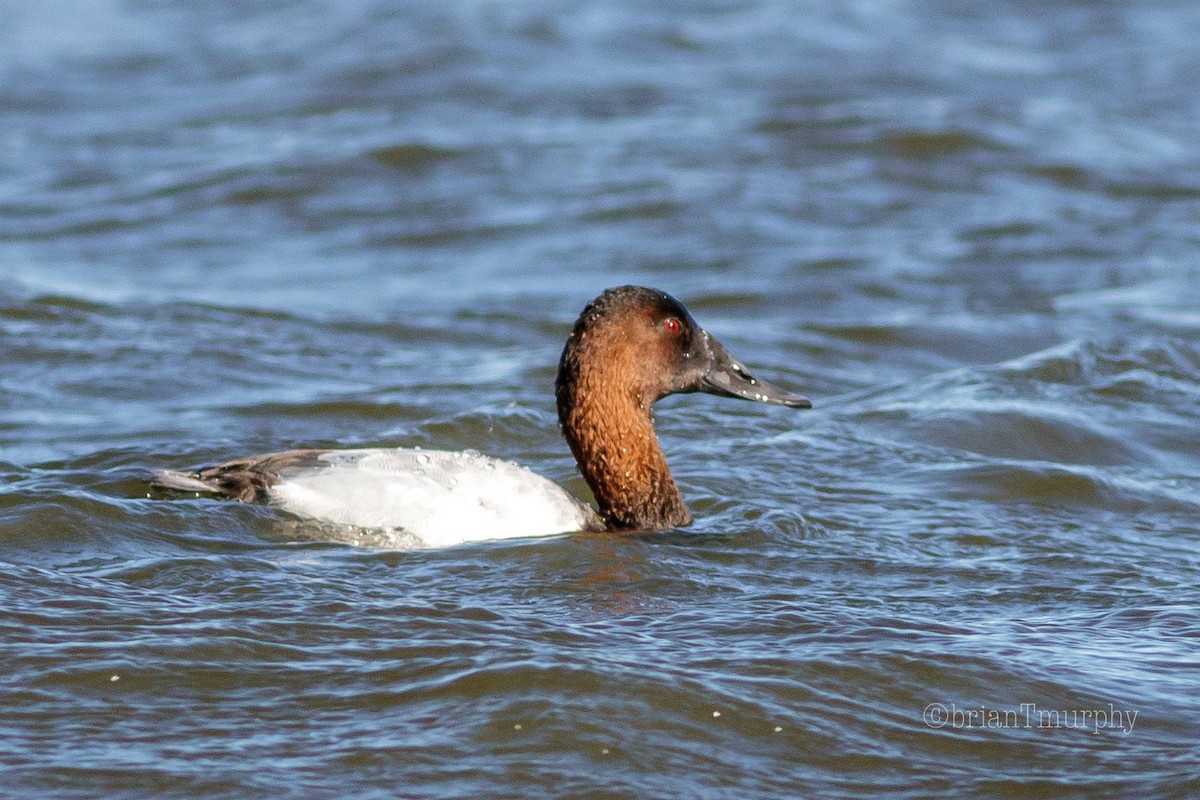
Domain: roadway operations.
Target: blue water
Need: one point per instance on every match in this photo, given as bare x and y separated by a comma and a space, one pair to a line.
968, 232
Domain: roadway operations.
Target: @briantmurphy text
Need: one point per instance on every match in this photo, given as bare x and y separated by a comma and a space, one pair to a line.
1031, 716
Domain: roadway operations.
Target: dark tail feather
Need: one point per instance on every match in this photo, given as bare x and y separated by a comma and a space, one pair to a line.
182, 482
247, 480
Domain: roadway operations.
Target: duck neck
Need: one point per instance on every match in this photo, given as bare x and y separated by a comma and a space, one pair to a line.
612, 437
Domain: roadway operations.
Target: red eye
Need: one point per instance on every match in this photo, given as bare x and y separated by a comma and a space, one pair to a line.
672, 325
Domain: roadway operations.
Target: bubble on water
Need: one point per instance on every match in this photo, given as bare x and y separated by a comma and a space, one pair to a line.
422, 458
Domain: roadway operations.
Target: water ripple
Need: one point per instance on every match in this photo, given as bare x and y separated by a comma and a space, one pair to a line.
968, 235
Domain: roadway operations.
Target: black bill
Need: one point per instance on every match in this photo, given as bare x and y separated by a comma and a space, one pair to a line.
729, 377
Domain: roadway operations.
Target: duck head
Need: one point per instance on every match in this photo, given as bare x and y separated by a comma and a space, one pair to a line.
630, 347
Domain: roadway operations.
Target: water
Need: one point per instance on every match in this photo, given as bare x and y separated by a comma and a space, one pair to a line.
967, 231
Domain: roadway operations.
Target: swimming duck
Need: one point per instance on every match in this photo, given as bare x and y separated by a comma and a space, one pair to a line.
630, 347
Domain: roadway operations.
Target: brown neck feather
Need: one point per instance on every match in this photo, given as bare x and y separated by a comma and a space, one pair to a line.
612, 437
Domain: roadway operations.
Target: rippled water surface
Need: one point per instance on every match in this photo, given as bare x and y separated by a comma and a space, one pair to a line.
970, 232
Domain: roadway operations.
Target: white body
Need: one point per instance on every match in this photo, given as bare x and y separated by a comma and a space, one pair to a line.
443, 498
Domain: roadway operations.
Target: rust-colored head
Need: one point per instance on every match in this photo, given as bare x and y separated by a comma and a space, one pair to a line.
630, 347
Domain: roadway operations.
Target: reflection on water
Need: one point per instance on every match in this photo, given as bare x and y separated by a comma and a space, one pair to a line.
967, 233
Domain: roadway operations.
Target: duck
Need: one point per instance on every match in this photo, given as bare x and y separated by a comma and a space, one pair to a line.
630, 347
